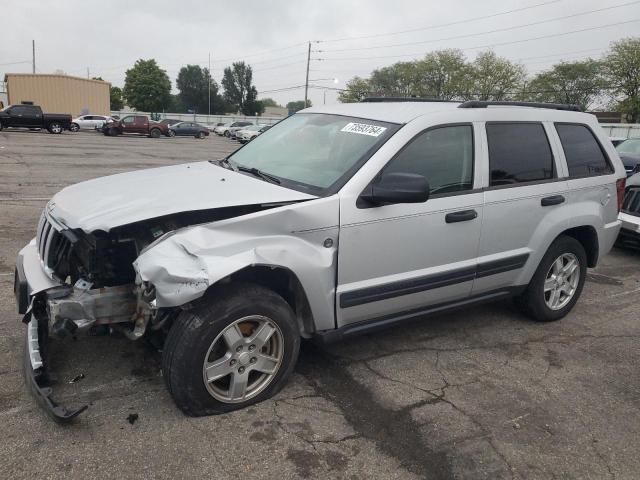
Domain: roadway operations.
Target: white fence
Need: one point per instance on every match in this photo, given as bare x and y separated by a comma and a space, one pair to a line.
622, 130
208, 120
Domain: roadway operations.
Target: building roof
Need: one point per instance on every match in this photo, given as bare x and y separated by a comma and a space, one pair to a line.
51, 75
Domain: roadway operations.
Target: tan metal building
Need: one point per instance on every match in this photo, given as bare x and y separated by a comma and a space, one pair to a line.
59, 93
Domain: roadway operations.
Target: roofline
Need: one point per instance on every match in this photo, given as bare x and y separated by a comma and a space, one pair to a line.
58, 75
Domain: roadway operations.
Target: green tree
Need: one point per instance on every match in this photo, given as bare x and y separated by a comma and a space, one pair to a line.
293, 107
443, 75
270, 102
493, 78
194, 82
577, 83
623, 72
115, 98
398, 80
357, 89
239, 90
147, 87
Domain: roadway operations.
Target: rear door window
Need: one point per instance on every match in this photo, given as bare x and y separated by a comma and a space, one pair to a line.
584, 154
518, 153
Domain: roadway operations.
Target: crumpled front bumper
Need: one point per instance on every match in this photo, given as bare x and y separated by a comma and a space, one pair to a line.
29, 280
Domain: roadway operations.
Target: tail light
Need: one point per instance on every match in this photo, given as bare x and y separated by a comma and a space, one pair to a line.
620, 184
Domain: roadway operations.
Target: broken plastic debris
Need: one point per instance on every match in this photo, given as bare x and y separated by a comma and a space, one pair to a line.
77, 378
132, 418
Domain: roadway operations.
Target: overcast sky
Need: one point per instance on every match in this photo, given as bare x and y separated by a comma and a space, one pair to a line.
108, 36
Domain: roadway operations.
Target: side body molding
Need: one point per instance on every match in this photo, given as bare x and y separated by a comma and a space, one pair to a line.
185, 263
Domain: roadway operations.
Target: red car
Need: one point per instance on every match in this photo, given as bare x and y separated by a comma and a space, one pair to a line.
139, 124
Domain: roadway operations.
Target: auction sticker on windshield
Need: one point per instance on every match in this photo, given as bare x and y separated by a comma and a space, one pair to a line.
363, 129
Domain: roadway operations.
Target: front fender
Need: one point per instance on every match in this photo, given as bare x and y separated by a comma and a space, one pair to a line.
184, 265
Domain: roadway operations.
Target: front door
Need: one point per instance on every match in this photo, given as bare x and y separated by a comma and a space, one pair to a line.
406, 257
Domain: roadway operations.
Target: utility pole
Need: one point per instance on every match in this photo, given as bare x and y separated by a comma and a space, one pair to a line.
87, 72
209, 86
33, 53
306, 83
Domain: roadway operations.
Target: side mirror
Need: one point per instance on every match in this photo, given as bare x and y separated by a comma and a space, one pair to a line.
391, 188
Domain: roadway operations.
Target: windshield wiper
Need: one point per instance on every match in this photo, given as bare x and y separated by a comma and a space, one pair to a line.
224, 163
259, 173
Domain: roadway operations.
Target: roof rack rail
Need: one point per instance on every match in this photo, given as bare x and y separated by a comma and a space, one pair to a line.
551, 106
403, 99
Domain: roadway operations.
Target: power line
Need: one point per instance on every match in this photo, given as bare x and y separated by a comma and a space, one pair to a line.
441, 25
263, 52
15, 63
490, 45
467, 35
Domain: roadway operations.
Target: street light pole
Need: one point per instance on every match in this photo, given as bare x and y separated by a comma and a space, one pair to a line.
33, 58
306, 83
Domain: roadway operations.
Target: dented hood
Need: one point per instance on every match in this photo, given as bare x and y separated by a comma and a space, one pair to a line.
108, 202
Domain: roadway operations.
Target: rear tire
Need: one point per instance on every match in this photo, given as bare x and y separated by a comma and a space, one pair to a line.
218, 333
55, 128
200, 135
74, 127
227, 134
155, 133
539, 300
171, 133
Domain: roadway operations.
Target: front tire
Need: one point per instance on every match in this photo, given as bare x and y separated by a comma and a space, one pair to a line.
200, 135
237, 348
74, 127
171, 133
557, 283
155, 133
227, 134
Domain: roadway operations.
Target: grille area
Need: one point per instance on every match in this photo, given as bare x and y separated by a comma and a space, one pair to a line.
631, 202
53, 246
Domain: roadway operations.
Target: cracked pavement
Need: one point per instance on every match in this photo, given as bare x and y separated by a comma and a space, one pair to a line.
478, 393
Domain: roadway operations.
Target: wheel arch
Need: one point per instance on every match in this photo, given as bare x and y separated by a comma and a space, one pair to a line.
282, 281
588, 238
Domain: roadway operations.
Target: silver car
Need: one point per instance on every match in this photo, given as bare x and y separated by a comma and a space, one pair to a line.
338, 220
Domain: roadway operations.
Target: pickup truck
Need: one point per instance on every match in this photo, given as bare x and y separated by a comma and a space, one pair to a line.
31, 116
139, 124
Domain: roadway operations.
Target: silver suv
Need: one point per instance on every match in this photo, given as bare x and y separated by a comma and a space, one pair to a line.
337, 221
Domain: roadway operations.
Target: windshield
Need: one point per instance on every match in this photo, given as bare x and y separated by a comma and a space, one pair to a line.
314, 152
629, 146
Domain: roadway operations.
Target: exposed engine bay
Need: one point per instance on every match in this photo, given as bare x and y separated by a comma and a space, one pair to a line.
99, 284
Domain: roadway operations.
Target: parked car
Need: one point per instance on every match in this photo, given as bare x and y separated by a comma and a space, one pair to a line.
224, 129
170, 121
231, 131
138, 124
617, 140
629, 152
233, 261
190, 129
630, 213
93, 122
249, 133
31, 116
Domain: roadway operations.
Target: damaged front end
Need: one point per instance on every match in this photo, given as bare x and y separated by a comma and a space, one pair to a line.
70, 282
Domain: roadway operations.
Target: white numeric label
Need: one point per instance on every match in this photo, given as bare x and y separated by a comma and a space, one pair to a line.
363, 129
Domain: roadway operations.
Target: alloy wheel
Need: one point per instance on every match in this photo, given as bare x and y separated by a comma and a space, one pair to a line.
561, 281
243, 359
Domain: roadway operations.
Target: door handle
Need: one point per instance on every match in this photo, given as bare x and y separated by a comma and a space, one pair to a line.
553, 200
461, 216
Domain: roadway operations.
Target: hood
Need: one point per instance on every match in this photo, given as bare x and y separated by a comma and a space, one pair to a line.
109, 202
628, 159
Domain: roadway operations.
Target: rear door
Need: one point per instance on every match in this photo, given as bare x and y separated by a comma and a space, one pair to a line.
526, 185
141, 124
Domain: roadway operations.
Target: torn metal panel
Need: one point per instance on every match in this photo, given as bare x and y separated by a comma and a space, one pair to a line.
184, 264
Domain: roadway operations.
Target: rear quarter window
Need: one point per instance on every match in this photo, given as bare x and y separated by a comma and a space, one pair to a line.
518, 153
584, 154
